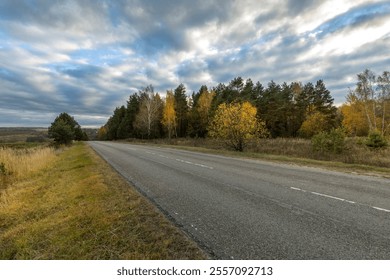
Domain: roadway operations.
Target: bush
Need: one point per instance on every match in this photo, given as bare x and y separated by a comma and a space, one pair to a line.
375, 140
333, 141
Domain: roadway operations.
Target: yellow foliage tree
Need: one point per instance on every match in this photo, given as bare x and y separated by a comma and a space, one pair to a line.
169, 114
203, 108
354, 119
314, 124
236, 123
102, 133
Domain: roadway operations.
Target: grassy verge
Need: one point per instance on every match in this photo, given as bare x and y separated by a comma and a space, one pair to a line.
19, 162
78, 208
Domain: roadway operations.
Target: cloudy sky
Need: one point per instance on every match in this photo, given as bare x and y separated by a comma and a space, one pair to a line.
86, 57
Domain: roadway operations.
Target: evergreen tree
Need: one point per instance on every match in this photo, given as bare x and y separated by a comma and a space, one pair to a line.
114, 123
248, 93
268, 106
323, 103
132, 110
65, 128
61, 132
181, 108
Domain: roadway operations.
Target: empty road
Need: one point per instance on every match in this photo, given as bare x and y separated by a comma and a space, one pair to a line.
251, 209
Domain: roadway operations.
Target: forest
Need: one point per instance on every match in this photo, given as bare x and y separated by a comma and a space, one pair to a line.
281, 110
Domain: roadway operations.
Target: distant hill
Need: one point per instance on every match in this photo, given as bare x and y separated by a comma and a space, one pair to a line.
33, 134
23, 134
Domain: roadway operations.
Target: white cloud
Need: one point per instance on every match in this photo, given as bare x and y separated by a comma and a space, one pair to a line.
348, 40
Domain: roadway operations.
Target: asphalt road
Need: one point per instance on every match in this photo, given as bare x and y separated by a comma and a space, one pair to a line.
250, 209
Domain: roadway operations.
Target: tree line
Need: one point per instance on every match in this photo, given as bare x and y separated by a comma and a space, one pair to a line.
286, 110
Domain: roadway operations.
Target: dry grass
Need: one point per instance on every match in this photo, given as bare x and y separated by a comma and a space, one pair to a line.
17, 164
355, 151
78, 208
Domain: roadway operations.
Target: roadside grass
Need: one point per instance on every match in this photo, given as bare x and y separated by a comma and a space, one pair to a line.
23, 145
18, 163
356, 158
79, 208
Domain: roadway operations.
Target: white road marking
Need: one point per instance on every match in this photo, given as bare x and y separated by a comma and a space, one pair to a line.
381, 209
350, 201
329, 196
341, 199
297, 189
163, 156
181, 160
293, 188
192, 163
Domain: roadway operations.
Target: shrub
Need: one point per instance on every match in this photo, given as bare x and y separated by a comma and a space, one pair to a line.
333, 141
375, 140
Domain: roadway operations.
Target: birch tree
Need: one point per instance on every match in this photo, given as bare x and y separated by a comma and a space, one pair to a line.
148, 115
384, 99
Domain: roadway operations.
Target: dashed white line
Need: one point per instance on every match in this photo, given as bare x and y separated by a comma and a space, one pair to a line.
181, 160
192, 163
341, 199
297, 189
163, 156
381, 209
329, 196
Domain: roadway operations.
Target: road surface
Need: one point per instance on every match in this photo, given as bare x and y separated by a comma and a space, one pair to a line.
251, 209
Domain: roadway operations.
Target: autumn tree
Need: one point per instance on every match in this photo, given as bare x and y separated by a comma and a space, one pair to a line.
149, 115
169, 114
366, 93
383, 83
236, 123
102, 133
315, 123
201, 113
354, 118
369, 100
315, 110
